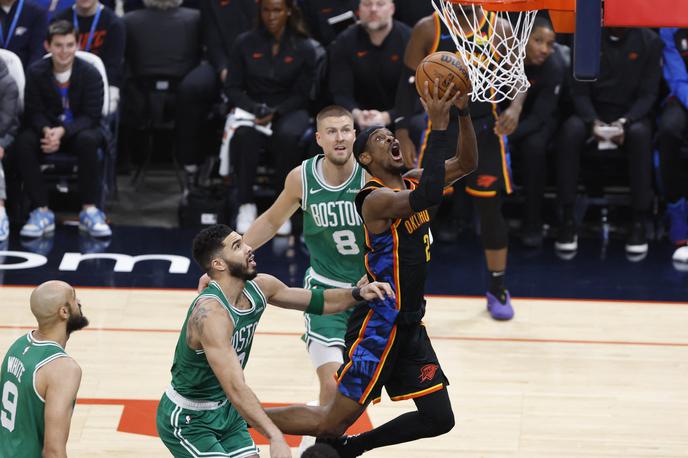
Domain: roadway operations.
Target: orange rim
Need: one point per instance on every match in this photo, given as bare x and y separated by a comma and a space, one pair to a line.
520, 5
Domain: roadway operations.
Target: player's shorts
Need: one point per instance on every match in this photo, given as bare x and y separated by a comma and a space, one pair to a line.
380, 353
494, 165
328, 330
187, 431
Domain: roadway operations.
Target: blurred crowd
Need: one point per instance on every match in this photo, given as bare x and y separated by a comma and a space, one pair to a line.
264, 68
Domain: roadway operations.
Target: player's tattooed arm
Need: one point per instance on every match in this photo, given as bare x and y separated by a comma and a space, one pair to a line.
205, 307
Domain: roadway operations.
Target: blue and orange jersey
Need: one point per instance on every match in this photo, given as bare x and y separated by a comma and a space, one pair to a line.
398, 256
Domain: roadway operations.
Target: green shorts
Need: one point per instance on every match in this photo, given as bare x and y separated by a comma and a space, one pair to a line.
221, 432
328, 330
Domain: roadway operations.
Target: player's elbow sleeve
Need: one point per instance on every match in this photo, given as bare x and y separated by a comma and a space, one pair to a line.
419, 200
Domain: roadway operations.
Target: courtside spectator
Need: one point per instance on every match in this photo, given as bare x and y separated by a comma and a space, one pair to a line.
673, 135
9, 123
325, 19
164, 42
411, 11
621, 100
545, 69
366, 62
64, 99
102, 33
23, 29
271, 74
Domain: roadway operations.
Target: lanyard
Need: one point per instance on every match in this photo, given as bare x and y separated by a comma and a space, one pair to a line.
93, 25
13, 25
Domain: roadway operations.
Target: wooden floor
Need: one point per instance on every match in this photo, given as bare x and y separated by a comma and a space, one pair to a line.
563, 379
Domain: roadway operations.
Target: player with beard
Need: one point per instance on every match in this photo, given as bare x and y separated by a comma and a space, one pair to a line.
387, 345
205, 409
39, 381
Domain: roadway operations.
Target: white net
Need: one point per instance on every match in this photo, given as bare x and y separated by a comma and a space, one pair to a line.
494, 59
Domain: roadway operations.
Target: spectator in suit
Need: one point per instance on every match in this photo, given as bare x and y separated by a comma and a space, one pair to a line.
9, 123
164, 41
271, 74
64, 99
379, 42
673, 136
325, 19
102, 33
23, 29
622, 98
545, 69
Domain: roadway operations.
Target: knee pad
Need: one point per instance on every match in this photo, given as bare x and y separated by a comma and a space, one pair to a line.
493, 230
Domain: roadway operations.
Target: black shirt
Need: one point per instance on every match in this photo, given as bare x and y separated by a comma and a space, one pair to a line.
411, 11
366, 76
628, 85
222, 22
543, 95
282, 82
107, 42
317, 14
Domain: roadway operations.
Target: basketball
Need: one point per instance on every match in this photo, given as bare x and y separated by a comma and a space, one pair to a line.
445, 66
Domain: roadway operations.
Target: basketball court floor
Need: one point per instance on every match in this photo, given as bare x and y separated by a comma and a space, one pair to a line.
593, 365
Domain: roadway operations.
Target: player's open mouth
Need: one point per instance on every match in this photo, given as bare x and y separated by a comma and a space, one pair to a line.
340, 148
252, 261
396, 151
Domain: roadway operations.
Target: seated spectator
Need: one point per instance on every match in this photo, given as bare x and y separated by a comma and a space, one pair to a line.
64, 99
23, 26
411, 11
9, 123
619, 105
377, 42
54, 7
673, 136
545, 69
164, 41
271, 74
101, 32
326, 19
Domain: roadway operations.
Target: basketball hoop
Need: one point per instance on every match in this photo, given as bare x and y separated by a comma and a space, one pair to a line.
494, 60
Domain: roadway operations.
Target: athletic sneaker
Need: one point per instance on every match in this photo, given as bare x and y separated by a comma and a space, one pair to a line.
498, 310
245, 217
680, 259
92, 220
636, 243
567, 239
40, 222
341, 445
677, 213
4, 225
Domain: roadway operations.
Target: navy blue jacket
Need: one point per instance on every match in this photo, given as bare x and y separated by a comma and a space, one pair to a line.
29, 34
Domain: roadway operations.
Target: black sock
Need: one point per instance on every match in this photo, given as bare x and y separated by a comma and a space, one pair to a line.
433, 417
496, 286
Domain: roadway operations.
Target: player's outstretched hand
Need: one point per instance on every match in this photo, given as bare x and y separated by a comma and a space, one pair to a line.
376, 290
279, 448
203, 283
438, 107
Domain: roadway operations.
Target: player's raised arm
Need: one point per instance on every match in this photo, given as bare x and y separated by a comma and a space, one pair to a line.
266, 225
384, 203
318, 301
212, 326
62, 378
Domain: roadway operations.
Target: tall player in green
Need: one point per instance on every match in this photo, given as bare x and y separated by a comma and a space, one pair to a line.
205, 409
324, 187
38, 380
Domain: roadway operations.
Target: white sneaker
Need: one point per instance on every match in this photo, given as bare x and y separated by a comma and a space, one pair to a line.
245, 217
285, 229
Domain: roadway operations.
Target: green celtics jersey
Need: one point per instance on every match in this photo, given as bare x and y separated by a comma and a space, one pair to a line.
192, 376
332, 228
22, 408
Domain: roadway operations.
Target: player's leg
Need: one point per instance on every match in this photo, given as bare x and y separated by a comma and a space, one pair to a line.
189, 433
418, 376
485, 185
235, 439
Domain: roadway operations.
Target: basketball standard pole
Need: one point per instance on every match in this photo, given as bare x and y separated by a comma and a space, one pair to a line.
587, 40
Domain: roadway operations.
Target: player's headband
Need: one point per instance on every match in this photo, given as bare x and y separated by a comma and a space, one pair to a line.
362, 140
